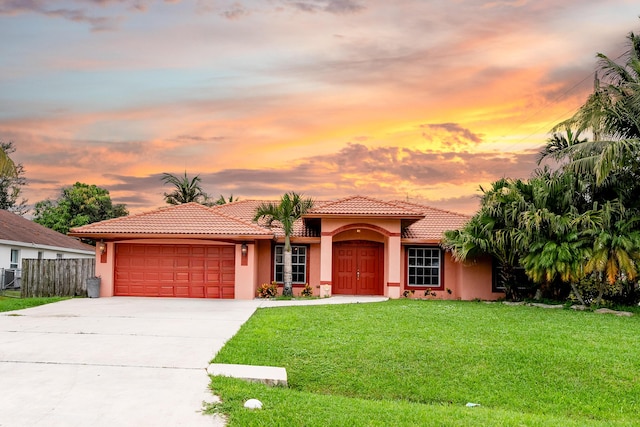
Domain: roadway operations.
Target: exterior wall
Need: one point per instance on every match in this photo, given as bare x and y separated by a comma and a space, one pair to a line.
263, 261
246, 275
386, 231
30, 251
475, 280
461, 281
313, 274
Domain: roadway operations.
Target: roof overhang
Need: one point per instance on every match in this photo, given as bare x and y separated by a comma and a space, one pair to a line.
414, 217
122, 236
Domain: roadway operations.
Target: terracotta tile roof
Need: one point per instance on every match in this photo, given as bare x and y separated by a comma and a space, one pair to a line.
365, 206
18, 229
246, 210
186, 219
236, 219
434, 224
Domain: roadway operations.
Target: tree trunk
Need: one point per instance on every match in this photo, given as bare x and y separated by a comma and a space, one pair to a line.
287, 290
577, 293
600, 293
508, 281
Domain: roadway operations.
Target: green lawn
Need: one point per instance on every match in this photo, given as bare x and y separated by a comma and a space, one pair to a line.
10, 303
408, 362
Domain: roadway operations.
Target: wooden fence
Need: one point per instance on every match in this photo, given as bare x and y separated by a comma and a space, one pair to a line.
56, 277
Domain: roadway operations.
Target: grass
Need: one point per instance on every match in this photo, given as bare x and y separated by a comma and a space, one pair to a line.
408, 362
10, 302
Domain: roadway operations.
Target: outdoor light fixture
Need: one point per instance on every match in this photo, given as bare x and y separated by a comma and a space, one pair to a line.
244, 249
102, 247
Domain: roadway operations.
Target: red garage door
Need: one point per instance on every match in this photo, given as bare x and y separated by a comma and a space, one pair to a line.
186, 271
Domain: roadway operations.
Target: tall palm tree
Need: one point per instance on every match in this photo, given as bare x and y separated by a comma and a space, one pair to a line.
290, 208
185, 190
612, 114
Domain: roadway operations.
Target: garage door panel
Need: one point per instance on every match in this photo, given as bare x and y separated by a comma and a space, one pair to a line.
181, 262
182, 277
197, 292
195, 271
197, 263
166, 291
227, 292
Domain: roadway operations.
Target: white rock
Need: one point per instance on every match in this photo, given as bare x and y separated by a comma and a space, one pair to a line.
253, 404
472, 405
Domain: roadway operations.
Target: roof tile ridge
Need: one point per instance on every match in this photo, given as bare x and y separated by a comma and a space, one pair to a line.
395, 204
435, 209
329, 203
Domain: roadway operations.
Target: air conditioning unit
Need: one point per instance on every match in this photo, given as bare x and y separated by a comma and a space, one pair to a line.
9, 279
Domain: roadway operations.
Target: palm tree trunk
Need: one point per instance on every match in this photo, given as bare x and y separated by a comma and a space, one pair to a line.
577, 293
287, 290
600, 293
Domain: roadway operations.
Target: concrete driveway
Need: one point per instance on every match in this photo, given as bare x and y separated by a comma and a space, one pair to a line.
113, 361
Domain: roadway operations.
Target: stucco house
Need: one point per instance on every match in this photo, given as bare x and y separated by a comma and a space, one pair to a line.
21, 238
353, 246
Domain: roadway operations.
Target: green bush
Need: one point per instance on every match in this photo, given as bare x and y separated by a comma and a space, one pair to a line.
268, 290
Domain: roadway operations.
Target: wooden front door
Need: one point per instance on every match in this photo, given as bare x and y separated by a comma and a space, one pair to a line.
358, 268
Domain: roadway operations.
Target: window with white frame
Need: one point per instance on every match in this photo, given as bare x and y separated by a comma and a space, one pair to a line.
15, 258
40, 255
59, 256
423, 267
298, 264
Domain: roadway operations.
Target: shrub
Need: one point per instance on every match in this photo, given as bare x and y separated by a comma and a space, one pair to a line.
307, 291
408, 293
268, 290
622, 292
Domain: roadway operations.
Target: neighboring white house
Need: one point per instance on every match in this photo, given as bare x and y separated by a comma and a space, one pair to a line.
21, 239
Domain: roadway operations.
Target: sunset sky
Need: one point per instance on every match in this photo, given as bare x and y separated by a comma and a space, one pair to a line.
408, 99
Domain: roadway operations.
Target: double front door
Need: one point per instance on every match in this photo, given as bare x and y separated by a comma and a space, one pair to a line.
358, 268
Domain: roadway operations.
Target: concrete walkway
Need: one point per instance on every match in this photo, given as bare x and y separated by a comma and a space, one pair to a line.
118, 361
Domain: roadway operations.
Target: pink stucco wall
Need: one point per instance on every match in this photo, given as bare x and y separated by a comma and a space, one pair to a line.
475, 280
461, 281
246, 275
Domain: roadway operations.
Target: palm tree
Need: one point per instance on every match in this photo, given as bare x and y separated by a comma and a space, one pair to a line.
7, 167
222, 201
291, 208
612, 114
616, 247
186, 190
493, 230
559, 142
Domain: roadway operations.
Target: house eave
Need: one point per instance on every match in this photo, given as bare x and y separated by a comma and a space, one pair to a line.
120, 236
363, 216
418, 241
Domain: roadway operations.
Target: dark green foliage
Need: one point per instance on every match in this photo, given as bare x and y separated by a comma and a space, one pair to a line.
185, 190
77, 205
12, 180
581, 222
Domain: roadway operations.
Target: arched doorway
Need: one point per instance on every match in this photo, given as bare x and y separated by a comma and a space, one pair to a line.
358, 268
